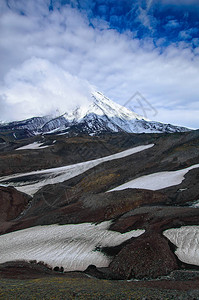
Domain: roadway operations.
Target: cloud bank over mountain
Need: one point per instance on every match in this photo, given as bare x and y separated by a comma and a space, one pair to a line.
54, 53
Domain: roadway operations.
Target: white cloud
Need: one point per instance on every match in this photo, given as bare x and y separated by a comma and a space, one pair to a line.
49, 58
172, 24
39, 87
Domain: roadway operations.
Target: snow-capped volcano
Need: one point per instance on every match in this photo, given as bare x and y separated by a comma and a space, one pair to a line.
105, 115
103, 106
101, 115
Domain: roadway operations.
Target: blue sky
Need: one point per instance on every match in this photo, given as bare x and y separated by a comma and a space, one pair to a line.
54, 53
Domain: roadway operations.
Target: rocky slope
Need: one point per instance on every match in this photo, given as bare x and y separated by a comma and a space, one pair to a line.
83, 198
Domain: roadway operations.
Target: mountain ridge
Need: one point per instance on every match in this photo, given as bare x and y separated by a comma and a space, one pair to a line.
101, 115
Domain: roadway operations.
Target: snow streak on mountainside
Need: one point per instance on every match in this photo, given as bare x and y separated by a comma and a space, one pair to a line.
102, 115
156, 181
32, 146
61, 174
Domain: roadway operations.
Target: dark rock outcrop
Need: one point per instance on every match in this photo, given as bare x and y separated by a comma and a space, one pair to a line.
12, 203
148, 256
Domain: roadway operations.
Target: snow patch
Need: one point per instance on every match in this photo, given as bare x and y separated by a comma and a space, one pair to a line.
70, 246
156, 181
186, 238
32, 146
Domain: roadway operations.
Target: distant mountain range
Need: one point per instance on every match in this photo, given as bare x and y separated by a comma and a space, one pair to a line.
101, 116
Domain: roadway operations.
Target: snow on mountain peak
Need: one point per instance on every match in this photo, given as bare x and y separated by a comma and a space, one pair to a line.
101, 115
103, 106
112, 109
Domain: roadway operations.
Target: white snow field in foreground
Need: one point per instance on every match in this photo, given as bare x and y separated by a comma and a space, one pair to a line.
70, 246
186, 238
32, 146
156, 181
61, 174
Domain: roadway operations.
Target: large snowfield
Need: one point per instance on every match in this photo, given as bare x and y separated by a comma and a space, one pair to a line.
186, 238
70, 246
156, 181
55, 175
